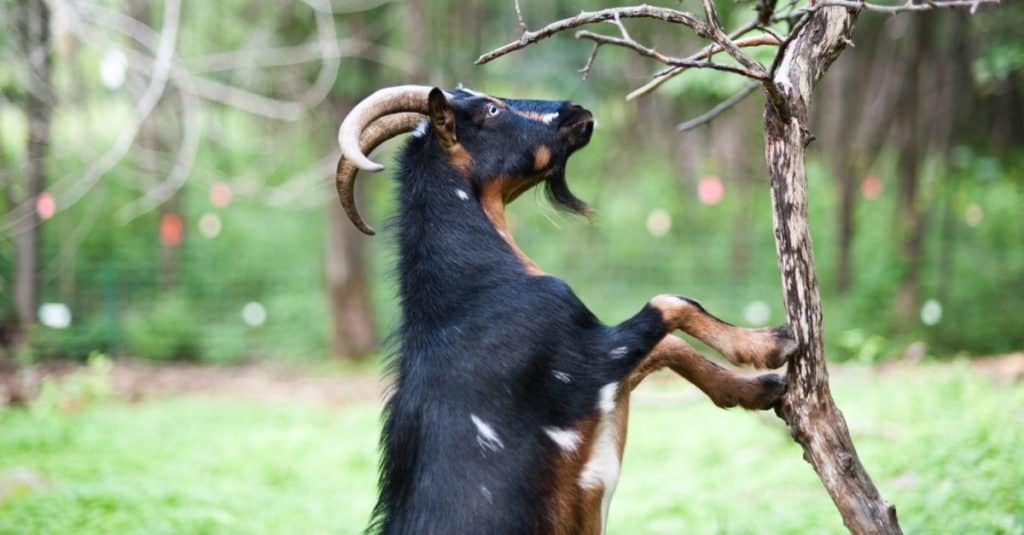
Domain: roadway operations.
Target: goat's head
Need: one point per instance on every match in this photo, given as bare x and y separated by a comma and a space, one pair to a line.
508, 144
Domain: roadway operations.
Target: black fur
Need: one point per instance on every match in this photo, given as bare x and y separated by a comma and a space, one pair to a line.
480, 336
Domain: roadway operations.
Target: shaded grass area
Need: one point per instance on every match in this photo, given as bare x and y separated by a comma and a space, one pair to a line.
944, 445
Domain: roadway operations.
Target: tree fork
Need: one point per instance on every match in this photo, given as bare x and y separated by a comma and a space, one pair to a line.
807, 407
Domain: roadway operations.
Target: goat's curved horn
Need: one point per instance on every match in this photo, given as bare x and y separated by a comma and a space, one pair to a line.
402, 98
377, 132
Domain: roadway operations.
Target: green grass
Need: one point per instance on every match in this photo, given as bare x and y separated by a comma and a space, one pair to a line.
943, 445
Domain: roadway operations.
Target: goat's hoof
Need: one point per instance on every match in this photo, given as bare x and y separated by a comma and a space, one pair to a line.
785, 346
772, 386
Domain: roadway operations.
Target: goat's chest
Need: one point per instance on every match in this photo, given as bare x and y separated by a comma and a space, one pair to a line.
586, 477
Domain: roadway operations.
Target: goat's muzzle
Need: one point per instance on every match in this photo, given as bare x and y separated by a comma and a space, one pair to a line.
576, 127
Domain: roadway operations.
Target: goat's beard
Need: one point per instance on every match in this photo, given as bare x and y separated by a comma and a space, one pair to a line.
561, 197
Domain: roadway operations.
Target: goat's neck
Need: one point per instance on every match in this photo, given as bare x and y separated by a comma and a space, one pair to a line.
453, 241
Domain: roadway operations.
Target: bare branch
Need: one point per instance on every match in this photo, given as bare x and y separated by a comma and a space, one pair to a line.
591, 17
718, 35
179, 173
909, 5
667, 60
667, 74
708, 116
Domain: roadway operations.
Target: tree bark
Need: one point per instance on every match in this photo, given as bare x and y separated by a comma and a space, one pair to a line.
38, 105
807, 407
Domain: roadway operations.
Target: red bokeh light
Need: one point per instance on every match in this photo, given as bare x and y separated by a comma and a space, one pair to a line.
871, 187
46, 206
710, 190
171, 230
220, 194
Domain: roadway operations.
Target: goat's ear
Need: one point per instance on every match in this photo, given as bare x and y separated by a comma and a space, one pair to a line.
442, 117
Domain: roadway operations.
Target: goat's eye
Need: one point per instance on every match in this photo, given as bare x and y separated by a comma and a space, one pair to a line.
493, 110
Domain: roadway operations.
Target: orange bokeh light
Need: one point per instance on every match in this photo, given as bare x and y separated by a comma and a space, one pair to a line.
171, 230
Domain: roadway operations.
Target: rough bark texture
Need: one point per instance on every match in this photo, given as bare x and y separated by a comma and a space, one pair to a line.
38, 103
807, 407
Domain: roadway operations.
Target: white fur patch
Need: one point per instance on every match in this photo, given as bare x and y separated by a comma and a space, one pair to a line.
548, 117
462, 194
619, 352
602, 468
567, 439
486, 437
562, 376
606, 397
421, 129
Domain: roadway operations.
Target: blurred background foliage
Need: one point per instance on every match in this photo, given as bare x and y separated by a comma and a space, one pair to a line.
215, 234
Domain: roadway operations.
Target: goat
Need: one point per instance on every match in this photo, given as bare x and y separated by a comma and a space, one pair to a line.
510, 399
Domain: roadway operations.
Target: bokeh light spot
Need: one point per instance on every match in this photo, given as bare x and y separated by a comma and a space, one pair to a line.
220, 194
757, 313
171, 230
55, 315
253, 314
710, 190
973, 214
46, 206
113, 68
871, 187
659, 222
931, 312
209, 225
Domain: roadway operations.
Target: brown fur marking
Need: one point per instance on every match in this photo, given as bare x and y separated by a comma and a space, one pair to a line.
541, 158
461, 159
493, 200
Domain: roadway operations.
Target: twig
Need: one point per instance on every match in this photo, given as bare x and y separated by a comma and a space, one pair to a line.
716, 34
585, 71
667, 74
708, 116
591, 17
909, 5
667, 60
519, 17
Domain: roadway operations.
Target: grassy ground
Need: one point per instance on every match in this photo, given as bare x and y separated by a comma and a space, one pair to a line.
943, 444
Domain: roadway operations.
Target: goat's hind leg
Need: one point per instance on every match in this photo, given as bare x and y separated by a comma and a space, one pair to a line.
725, 387
761, 348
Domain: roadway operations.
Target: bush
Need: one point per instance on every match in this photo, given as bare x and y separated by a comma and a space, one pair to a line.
168, 330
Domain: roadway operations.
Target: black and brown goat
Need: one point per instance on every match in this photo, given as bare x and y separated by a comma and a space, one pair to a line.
510, 402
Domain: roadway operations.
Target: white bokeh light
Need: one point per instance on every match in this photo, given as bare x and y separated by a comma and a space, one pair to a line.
113, 69
931, 312
658, 222
209, 225
55, 315
757, 313
253, 314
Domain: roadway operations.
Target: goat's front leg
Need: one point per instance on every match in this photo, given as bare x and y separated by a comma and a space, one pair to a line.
725, 387
762, 348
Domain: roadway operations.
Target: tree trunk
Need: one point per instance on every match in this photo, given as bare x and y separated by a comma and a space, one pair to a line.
38, 105
353, 334
807, 407
352, 331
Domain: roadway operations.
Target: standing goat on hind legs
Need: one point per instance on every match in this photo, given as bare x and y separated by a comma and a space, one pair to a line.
510, 402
